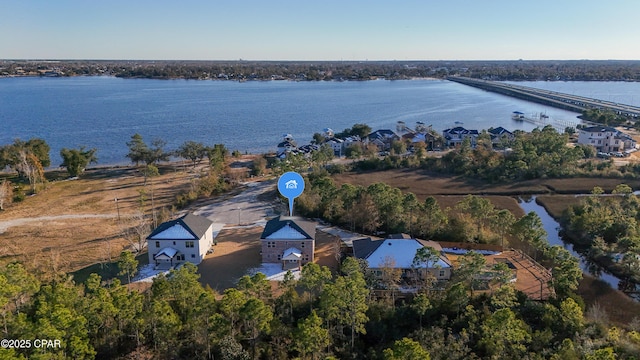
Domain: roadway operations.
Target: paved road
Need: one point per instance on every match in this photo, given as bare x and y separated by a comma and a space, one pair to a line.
244, 209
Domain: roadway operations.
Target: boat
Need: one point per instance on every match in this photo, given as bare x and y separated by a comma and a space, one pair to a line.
458, 123
518, 116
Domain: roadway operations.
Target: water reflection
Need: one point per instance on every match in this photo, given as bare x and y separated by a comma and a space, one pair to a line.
553, 229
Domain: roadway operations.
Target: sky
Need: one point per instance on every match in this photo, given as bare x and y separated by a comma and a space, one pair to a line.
320, 30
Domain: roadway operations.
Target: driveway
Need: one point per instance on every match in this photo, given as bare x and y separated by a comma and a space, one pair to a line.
242, 210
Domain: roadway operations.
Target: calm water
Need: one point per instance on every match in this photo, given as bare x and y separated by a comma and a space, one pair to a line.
104, 112
552, 227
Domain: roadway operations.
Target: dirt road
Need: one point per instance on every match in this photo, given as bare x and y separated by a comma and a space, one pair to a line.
4, 225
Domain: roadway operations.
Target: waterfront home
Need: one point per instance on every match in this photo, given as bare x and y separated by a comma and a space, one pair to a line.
288, 240
605, 139
337, 145
186, 239
500, 136
455, 136
398, 252
432, 141
382, 138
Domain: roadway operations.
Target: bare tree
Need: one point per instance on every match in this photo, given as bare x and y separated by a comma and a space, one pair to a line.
137, 230
5, 193
30, 166
391, 276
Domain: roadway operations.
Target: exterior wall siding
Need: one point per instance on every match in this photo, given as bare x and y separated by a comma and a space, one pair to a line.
272, 249
193, 254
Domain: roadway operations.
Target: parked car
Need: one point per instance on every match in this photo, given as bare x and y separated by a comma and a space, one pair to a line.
603, 155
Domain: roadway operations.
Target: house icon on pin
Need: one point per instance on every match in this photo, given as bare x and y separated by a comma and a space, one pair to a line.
291, 184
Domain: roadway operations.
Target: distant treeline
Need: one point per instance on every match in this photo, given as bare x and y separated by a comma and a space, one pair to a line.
568, 70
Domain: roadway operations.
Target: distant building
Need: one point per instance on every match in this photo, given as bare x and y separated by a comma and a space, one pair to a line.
500, 135
454, 137
382, 138
432, 141
605, 139
186, 239
288, 240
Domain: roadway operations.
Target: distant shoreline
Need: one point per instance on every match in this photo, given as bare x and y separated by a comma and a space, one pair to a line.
495, 70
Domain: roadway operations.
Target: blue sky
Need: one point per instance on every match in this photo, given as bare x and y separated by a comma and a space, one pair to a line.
320, 30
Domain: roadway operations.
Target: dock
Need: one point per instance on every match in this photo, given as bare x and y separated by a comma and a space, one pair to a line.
541, 120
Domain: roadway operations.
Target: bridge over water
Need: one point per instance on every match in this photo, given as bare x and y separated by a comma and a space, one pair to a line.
550, 98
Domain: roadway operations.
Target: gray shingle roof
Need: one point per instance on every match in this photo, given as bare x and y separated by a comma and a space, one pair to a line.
362, 248
195, 224
306, 228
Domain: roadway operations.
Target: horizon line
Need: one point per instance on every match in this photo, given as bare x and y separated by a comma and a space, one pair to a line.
317, 60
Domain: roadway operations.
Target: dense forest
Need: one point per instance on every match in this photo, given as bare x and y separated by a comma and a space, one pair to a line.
606, 225
569, 70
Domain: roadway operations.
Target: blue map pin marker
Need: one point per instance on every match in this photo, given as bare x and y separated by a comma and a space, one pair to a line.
291, 185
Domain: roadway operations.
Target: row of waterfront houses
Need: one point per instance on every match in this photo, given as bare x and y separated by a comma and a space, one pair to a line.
602, 138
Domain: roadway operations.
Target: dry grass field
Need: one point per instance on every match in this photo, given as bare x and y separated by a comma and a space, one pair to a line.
75, 223
423, 184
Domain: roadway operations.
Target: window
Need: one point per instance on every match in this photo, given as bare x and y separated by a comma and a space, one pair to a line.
189, 244
193, 256
302, 244
157, 244
174, 243
279, 257
441, 274
271, 244
180, 257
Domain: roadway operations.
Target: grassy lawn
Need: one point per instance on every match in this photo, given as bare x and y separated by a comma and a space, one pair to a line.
107, 270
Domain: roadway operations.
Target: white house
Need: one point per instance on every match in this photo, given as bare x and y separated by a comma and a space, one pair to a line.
398, 251
187, 238
605, 139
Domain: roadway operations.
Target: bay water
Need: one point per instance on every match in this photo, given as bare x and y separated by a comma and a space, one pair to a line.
104, 112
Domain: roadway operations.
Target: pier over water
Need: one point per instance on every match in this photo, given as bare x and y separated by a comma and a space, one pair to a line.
550, 98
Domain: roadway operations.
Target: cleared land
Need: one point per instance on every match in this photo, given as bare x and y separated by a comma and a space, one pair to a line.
238, 251
75, 223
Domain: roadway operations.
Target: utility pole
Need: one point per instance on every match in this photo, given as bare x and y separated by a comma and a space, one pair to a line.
118, 208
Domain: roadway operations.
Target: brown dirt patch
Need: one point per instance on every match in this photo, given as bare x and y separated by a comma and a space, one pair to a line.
238, 251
